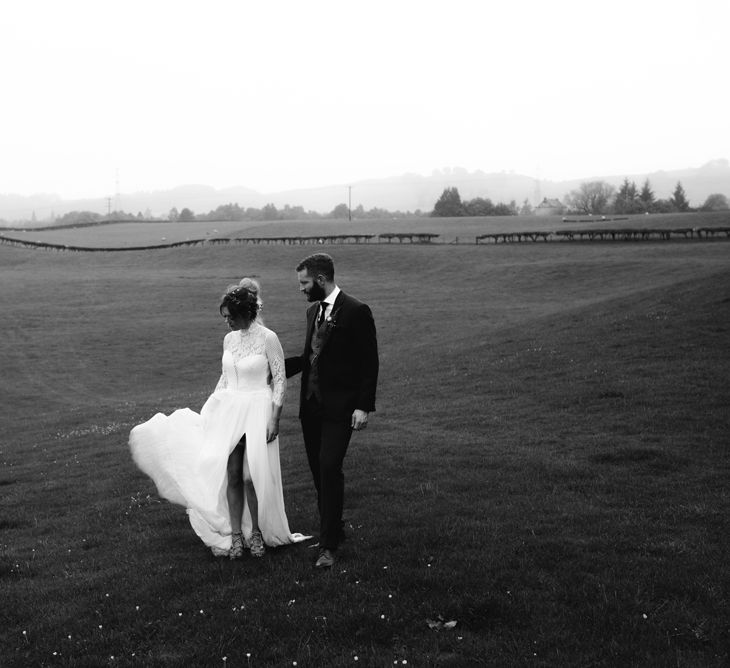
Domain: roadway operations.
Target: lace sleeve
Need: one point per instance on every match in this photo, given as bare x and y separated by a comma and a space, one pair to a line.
222, 381
275, 356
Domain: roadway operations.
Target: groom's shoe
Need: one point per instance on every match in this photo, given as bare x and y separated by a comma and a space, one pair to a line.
326, 559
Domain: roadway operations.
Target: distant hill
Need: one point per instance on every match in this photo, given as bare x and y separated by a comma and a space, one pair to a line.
408, 192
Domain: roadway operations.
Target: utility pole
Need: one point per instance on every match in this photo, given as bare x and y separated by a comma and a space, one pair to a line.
349, 203
117, 205
108, 207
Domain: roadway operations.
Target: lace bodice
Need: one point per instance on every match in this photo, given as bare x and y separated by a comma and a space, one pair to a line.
250, 359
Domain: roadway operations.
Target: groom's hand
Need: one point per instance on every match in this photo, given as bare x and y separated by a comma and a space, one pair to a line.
359, 420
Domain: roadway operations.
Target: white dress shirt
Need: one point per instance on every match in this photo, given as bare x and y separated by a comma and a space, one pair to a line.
330, 300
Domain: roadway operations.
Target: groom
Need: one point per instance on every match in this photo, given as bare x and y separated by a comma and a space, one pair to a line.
339, 369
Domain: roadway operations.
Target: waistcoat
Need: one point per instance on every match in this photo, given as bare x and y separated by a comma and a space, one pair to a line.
313, 379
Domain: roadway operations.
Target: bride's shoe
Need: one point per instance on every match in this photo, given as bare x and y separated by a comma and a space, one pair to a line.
257, 544
236, 551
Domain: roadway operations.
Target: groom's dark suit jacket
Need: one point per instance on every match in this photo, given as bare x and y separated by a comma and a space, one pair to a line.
348, 360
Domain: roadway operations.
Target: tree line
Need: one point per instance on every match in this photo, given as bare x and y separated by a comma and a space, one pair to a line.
236, 213
450, 204
592, 197
599, 197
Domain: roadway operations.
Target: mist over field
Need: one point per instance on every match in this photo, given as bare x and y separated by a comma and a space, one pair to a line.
406, 192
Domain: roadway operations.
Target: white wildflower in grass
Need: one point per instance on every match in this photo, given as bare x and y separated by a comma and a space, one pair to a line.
438, 624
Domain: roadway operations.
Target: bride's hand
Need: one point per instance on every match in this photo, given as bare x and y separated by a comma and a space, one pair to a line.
272, 429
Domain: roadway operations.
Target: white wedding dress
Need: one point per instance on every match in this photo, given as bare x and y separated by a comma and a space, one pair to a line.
186, 453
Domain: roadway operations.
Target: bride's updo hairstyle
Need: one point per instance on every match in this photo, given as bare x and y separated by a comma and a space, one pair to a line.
253, 285
241, 301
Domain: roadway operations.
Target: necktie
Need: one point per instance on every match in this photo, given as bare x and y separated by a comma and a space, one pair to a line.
322, 309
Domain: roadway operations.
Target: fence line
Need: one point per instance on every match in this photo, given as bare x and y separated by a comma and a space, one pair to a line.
587, 234
605, 234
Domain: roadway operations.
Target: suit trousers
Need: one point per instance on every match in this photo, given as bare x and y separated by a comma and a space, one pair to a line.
326, 443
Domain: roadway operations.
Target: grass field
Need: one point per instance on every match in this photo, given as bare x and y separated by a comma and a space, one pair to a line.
132, 234
548, 465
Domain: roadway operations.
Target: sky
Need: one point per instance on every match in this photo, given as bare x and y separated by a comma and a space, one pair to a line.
108, 96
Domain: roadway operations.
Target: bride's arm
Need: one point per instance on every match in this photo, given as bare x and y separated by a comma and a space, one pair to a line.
275, 356
222, 381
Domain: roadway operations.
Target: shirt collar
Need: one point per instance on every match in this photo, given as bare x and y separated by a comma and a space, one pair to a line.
332, 296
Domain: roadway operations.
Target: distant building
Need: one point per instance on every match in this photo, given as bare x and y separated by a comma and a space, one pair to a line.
550, 207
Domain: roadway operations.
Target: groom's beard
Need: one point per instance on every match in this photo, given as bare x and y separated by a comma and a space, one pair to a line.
316, 293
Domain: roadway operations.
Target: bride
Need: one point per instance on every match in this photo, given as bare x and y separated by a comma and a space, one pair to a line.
223, 464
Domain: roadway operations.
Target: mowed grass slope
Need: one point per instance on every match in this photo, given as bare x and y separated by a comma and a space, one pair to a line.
450, 230
547, 467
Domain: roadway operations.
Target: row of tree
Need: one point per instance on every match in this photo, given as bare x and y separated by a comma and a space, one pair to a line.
235, 212
592, 197
451, 205
599, 197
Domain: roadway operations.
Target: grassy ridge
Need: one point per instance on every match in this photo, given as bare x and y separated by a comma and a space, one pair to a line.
131, 234
547, 467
